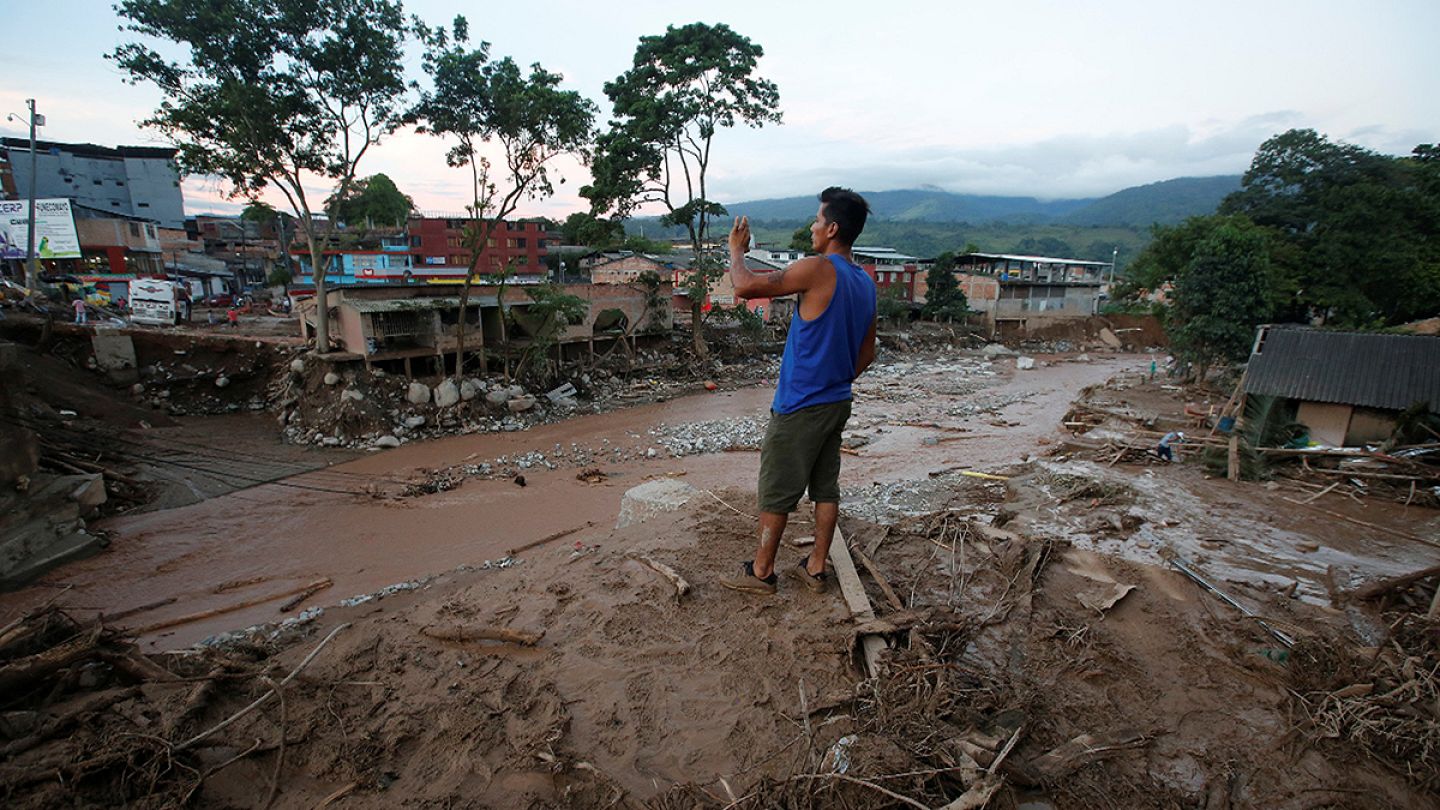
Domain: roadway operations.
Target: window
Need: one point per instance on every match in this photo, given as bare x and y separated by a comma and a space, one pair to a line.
98, 182
489, 243
142, 205
120, 183
510, 243
134, 229
522, 260
520, 243
414, 241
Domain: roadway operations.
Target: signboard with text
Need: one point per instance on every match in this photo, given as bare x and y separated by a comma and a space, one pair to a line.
54, 229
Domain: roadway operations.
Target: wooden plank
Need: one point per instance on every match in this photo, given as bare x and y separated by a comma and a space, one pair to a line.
854, 592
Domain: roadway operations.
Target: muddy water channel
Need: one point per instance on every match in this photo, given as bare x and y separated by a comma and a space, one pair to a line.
345, 524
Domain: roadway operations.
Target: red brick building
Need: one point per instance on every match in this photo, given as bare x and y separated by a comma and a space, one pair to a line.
439, 251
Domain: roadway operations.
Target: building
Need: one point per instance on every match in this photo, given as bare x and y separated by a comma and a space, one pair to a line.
1347, 387
889, 268
126, 181
624, 267
440, 254
416, 326
1018, 292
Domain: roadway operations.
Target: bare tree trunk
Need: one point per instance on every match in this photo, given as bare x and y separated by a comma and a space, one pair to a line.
318, 271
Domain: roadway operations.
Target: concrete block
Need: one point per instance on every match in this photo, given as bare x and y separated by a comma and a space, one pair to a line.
1024, 363
652, 498
113, 352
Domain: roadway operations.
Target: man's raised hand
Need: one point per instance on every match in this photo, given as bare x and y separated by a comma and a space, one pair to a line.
740, 235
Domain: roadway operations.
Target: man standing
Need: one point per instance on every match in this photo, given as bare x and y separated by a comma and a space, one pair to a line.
831, 341
79, 306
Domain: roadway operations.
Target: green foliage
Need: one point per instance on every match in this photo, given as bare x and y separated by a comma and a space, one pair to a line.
265, 92
944, 300
639, 244
1355, 230
372, 201
584, 228
280, 276
1220, 269
683, 87
801, 239
259, 212
891, 305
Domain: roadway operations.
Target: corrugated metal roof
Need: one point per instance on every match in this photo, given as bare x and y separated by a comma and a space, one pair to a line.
1350, 368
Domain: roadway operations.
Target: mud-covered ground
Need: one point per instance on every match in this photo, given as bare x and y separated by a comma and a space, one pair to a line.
1022, 617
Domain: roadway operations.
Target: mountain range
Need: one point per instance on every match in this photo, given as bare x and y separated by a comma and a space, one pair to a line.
1165, 202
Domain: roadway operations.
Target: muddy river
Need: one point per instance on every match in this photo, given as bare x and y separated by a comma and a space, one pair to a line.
257, 542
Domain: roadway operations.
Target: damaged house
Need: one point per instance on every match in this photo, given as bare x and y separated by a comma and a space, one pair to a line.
1348, 388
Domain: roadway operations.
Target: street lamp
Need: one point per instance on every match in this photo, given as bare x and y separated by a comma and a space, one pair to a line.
32, 263
1114, 256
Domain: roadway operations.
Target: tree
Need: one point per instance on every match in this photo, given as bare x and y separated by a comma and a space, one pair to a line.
1354, 230
1220, 269
372, 201
891, 305
268, 93
800, 240
483, 105
584, 228
944, 300
682, 88
551, 311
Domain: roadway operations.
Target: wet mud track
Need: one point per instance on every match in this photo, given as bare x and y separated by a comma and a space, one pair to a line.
277, 538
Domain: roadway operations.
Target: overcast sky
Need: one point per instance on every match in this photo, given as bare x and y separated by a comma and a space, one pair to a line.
1045, 99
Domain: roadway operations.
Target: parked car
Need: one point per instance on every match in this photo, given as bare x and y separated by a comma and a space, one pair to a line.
220, 300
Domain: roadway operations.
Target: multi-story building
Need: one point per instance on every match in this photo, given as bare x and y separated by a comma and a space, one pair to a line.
126, 181
440, 255
1018, 291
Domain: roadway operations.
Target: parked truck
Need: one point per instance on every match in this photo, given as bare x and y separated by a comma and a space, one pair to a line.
157, 301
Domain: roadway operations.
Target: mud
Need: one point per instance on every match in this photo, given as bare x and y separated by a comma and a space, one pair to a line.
336, 522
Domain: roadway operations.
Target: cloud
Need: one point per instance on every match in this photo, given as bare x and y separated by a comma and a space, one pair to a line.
1058, 167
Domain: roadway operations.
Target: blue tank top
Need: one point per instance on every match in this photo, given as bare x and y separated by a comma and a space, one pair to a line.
820, 355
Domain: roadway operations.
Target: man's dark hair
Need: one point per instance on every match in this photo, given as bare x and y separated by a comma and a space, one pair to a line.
846, 209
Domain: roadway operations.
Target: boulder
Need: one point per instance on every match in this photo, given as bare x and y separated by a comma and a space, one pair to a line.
516, 391
297, 365
418, 393
351, 393
498, 397
1111, 339
653, 498
387, 441
90, 493
1024, 363
521, 404
447, 393
469, 389
222, 382
413, 422
331, 378
996, 350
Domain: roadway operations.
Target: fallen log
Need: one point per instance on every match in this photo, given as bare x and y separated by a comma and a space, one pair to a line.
479, 633
26, 670
890, 595
681, 586
1071, 756
549, 538
63, 722
312, 589
1384, 586
220, 611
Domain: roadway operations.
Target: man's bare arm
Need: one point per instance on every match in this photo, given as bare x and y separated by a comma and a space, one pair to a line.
799, 277
867, 351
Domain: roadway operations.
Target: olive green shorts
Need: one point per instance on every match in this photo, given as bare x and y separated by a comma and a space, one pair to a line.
802, 451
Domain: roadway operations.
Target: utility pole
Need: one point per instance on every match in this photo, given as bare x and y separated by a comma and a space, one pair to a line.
32, 262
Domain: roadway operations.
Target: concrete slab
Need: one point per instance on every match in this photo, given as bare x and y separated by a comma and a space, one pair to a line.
652, 498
